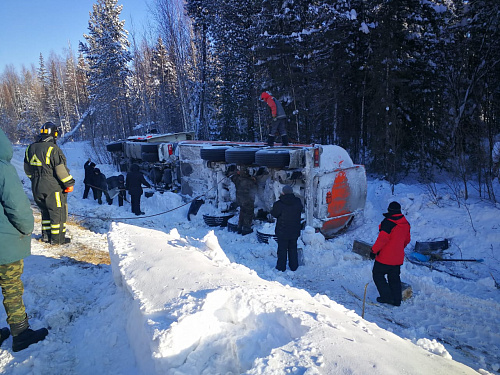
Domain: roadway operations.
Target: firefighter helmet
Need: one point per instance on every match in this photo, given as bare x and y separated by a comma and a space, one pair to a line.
49, 129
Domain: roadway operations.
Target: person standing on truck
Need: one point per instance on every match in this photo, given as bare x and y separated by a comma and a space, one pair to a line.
389, 252
246, 187
45, 166
288, 211
134, 181
279, 119
16, 226
89, 174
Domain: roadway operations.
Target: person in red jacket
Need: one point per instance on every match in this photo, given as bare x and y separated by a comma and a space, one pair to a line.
389, 252
279, 119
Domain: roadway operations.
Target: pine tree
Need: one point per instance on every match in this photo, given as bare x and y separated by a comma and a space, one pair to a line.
107, 55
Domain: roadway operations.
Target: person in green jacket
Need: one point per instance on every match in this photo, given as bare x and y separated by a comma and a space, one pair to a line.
16, 226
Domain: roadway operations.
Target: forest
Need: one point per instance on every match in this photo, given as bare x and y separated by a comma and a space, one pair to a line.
408, 87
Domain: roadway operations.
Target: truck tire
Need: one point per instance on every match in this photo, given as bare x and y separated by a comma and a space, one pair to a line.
241, 155
149, 157
114, 147
273, 158
213, 153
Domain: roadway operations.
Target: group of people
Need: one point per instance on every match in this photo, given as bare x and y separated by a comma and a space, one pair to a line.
46, 167
115, 186
97, 181
51, 181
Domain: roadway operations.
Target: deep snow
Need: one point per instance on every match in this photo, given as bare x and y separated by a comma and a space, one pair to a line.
183, 298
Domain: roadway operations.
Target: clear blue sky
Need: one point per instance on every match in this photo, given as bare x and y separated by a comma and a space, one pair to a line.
31, 27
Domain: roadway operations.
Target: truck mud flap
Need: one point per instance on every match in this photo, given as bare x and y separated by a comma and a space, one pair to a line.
273, 158
114, 147
150, 156
150, 148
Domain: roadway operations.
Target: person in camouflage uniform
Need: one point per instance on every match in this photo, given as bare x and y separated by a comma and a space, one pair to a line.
246, 187
45, 165
16, 226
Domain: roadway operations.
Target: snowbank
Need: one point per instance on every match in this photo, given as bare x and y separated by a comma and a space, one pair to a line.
195, 312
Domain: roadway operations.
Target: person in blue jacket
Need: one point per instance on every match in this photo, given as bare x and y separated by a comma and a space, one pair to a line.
16, 226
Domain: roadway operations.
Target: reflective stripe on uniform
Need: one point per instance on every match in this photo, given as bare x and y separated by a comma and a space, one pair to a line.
58, 199
67, 178
55, 228
64, 228
47, 157
45, 224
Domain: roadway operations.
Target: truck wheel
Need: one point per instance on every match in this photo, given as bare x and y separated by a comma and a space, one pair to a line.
150, 157
114, 147
213, 153
273, 158
241, 155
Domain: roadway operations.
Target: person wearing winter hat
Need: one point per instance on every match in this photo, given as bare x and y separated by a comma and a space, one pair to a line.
388, 252
279, 119
16, 226
287, 210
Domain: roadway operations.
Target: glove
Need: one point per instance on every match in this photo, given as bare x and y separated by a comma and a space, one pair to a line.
274, 119
372, 255
69, 189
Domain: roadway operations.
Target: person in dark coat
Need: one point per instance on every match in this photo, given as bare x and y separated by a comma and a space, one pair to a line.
100, 185
279, 119
135, 180
16, 226
89, 172
246, 187
389, 252
116, 187
287, 210
45, 166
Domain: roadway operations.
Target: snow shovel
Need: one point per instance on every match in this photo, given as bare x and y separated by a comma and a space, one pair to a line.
430, 258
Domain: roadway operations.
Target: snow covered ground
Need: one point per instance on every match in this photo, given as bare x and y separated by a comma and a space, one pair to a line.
183, 298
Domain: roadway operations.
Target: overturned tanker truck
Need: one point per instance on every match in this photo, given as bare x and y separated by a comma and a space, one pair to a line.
331, 187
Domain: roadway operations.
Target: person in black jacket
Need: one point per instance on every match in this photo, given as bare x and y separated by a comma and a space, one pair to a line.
135, 180
45, 166
100, 185
89, 175
116, 187
287, 210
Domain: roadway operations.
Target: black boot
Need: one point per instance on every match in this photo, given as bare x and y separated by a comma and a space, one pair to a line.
23, 336
270, 141
246, 230
284, 140
45, 235
4, 334
60, 241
